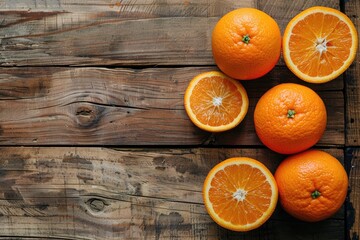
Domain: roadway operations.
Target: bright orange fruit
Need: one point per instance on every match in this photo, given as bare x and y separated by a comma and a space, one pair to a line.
290, 118
240, 194
319, 44
246, 43
312, 185
214, 102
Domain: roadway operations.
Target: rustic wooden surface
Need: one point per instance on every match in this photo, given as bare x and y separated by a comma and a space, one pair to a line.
94, 139
102, 193
88, 105
352, 125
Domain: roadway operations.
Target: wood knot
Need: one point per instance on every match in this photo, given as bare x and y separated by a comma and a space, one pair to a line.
87, 116
96, 204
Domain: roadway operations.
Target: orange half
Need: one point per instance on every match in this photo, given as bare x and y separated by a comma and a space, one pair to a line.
215, 102
319, 44
240, 194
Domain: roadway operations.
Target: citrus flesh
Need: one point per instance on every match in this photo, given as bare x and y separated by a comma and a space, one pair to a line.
319, 44
215, 102
240, 194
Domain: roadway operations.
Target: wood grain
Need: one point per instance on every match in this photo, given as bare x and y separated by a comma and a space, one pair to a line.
284, 11
352, 99
353, 218
113, 73
100, 106
352, 81
98, 193
110, 32
127, 32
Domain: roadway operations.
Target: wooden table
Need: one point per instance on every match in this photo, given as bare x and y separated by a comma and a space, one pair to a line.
95, 142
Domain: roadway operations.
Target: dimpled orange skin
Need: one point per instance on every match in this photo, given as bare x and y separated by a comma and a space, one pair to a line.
241, 60
288, 132
312, 185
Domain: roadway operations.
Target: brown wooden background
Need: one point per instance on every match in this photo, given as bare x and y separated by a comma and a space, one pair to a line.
94, 139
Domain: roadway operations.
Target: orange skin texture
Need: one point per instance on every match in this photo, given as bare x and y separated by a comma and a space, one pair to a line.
284, 134
299, 175
246, 61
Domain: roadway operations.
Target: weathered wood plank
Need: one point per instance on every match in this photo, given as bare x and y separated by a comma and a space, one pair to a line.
128, 32
353, 208
110, 32
284, 11
99, 106
352, 99
352, 84
97, 193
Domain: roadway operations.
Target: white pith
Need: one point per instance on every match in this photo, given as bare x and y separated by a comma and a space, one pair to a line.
320, 45
217, 101
240, 195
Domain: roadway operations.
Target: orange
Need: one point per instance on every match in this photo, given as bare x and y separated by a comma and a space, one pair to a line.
246, 43
240, 194
319, 44
214, 102
312, 185
290, 118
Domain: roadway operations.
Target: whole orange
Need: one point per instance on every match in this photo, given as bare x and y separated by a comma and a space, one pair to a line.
312, 185
290, 118
246, 43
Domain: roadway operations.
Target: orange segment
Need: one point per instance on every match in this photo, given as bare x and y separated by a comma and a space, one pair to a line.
215, 102
240, 194
319, 44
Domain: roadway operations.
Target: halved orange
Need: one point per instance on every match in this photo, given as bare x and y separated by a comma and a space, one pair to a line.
215, 102
319, 44
240, 194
